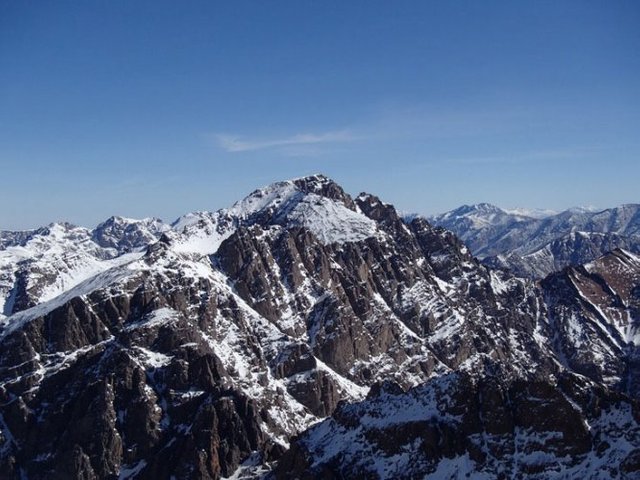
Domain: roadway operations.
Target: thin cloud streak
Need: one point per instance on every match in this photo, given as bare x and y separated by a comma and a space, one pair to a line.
417, 123
237, 143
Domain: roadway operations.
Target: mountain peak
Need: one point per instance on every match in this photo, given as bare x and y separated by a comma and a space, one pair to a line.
120, 220
273, 202
324, 186
315, 202
58, 227
537, 213
580, 209
125, 234
316, 180
467, 210
484, 207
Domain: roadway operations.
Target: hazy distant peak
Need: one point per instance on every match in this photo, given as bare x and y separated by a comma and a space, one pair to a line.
532, 212
583, 209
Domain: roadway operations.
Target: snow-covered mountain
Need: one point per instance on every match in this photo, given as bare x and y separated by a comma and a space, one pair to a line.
571, 424
460, 426
537, 245
38, 265
203, 353
531, 212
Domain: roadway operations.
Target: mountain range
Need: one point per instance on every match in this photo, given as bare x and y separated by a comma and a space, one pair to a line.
304, 333
535, 244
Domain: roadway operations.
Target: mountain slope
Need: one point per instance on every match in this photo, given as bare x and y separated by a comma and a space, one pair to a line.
574, 248
534, 246
579, 422
595, 310
38, 265
463, 427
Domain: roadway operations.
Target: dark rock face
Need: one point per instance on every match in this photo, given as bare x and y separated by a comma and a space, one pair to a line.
457, 426
129, 394
237, 330
324, 187
595, 311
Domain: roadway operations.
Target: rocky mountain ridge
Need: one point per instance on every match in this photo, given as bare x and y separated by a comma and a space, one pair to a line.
204, 353
460, 426
536, 246
38, 265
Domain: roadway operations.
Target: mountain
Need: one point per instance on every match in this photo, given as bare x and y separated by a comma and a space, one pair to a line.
204, 353
38, 265
126, 234
571, 424
574, 248
532, 212
458, 426
535, 246
595, 311
480, 226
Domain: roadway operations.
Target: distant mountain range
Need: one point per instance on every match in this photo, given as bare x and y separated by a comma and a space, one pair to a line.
304, 333
535, 246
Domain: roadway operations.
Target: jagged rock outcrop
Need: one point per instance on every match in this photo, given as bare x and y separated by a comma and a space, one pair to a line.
595, 312
459, 426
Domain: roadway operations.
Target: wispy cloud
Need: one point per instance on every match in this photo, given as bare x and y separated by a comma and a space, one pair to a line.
428, 127
238, 143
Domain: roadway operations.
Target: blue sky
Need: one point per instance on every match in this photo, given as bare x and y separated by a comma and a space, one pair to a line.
157, 108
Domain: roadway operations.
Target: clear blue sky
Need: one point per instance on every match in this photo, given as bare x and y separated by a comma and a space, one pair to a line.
156, 108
